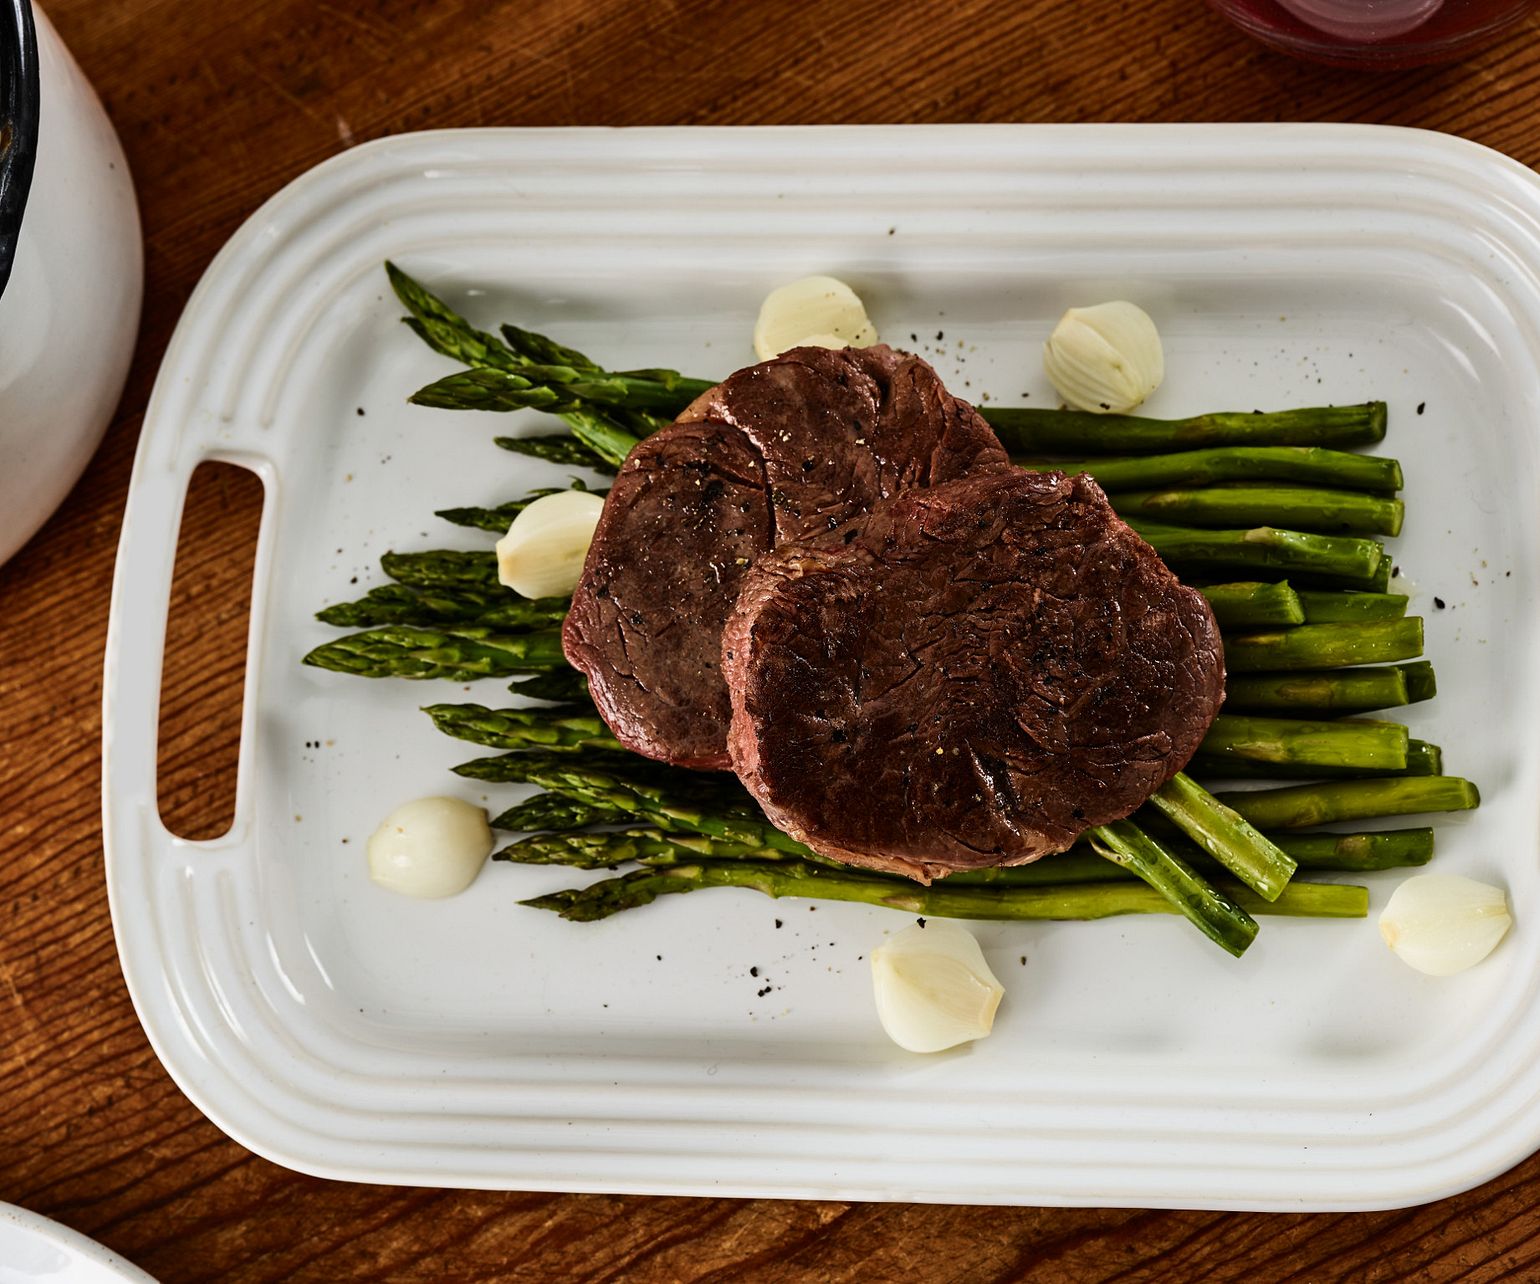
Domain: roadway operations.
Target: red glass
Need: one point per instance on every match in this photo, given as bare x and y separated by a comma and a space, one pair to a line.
1374, 33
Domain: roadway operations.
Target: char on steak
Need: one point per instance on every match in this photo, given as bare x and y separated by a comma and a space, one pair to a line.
779, 451
971, 675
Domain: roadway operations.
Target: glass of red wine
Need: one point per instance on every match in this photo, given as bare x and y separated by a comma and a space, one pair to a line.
1374, 33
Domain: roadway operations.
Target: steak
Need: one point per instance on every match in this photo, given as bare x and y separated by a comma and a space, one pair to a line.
780, 451
971, 675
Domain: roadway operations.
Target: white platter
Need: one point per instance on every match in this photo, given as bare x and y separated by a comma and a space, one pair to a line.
36, 1250
340, 1030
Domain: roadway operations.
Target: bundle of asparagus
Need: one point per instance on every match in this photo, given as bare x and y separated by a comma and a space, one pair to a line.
1271, 493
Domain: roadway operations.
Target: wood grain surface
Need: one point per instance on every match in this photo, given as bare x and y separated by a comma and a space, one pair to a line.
219, 105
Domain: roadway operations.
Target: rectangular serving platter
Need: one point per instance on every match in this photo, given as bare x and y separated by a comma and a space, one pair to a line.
346, 1032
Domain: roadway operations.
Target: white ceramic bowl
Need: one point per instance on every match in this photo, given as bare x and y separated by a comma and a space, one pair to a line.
70, 309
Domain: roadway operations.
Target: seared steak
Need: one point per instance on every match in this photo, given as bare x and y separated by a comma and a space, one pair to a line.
782, 450
971, 675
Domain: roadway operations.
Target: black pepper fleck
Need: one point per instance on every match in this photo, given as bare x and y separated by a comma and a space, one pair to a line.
754, 971
1439, 603
779, 924
920, 921
1421, 406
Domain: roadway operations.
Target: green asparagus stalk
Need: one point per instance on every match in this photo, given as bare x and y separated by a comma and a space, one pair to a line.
1303, 465
560, 686
819, 882
1356, 744
446, 332
1386, 849
1225, 836
1213, 913
461, 655
555, 812
498, 390
553, 729
1420, 681
1380, 849
1324, 646
445, 568
1350, 608
1303, 806
399, 604
672, 800
1355, 853
1249, 604
1033, 432
536, 349
1257, 504
556, 448
499, 517
1422, 759
1345, 558
1332, 691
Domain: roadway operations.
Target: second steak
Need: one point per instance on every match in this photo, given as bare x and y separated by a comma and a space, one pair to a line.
980, 673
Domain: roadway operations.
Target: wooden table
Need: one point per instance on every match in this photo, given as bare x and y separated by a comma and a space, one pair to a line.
219, 106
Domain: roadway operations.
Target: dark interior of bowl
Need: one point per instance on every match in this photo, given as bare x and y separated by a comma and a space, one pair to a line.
18, 123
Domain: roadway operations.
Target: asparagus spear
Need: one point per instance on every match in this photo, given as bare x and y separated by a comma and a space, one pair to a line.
444, 568
488, 388
1422, 759
555, 812
799, 878
1356, 744
1332, 691
1225, 835
1301, 806
399, 604
1386, 849
1248, 604
499, 517
445, 331
554, 729
673, 800
560, 686
1027, 431
1306, 465
1256, 504
556, 448
1345, 558
1421, 684
1380, 849
1213, 913
461, 654
1350, 608
1324, 646
538, 350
